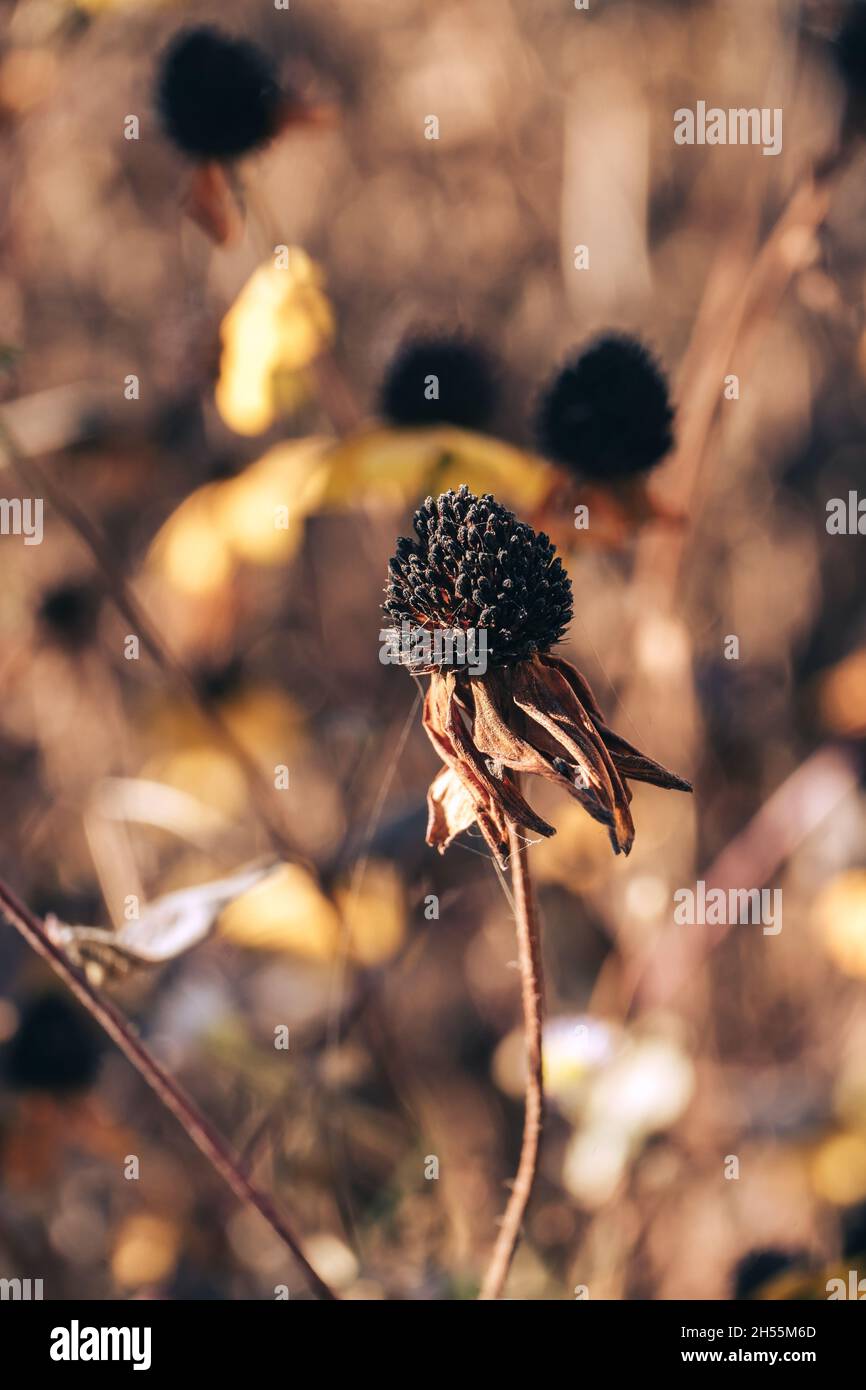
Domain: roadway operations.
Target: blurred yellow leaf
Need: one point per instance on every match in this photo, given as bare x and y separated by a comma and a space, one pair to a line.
374, 914
839, 1169
260, 514
405, 465
578, 856
266, 721
256, 517
288, 912
145, 1251
189, 550
277, 326
839, 914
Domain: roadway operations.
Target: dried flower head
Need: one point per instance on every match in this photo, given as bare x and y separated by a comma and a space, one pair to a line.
440, 381
218, 96
472, 564
607, 414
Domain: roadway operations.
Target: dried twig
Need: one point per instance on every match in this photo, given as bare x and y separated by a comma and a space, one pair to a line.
203, 1134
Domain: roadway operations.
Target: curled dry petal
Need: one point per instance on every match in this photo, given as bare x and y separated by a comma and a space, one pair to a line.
586, 780
537, 717
629, 761
546, 696
495, 799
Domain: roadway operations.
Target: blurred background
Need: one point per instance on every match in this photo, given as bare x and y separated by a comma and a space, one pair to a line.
706, 1132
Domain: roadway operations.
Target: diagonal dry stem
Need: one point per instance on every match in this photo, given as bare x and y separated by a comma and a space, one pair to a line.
207, 1139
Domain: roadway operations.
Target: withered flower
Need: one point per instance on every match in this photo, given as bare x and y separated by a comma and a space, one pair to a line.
473, 566
466, 380
607, 414
218, 96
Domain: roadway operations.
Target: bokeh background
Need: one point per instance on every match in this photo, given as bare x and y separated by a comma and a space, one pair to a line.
671, 1050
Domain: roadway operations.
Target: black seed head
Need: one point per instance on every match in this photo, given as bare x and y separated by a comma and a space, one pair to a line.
440, 381
70, 613
758, 1267
849, 48
218, 97
472, 564
55, 1048
607, 414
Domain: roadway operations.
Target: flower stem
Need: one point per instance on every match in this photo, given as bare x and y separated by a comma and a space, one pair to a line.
532, 992
206, 1138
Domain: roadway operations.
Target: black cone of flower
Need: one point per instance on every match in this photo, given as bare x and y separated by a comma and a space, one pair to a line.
607, 414
54, 1049
217, 96
440, 381
473, 566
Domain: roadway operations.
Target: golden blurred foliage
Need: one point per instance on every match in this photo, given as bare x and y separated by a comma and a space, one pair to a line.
288, 912
839, 914
374, 914
145, 1251
839, 1169
279, 323
257, 518
403, 465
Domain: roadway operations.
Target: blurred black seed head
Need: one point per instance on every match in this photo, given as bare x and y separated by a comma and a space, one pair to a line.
440, 381
607, 414
218, 97
55, 1048
69, 613
849, 48
472, 564
854, 1231
758, 1267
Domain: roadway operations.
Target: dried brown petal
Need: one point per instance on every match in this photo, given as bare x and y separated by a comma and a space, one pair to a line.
496, 801
546, 696
492, 735
629, 761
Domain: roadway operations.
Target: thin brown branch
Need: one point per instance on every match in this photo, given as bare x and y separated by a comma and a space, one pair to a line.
207, 1139
532, 993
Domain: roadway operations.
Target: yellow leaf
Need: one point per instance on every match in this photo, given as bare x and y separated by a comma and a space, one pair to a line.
279, 323
839, 1169
287, 912
839, 914
406, 465
145, 1251
188, 549
374, 914
260, 513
